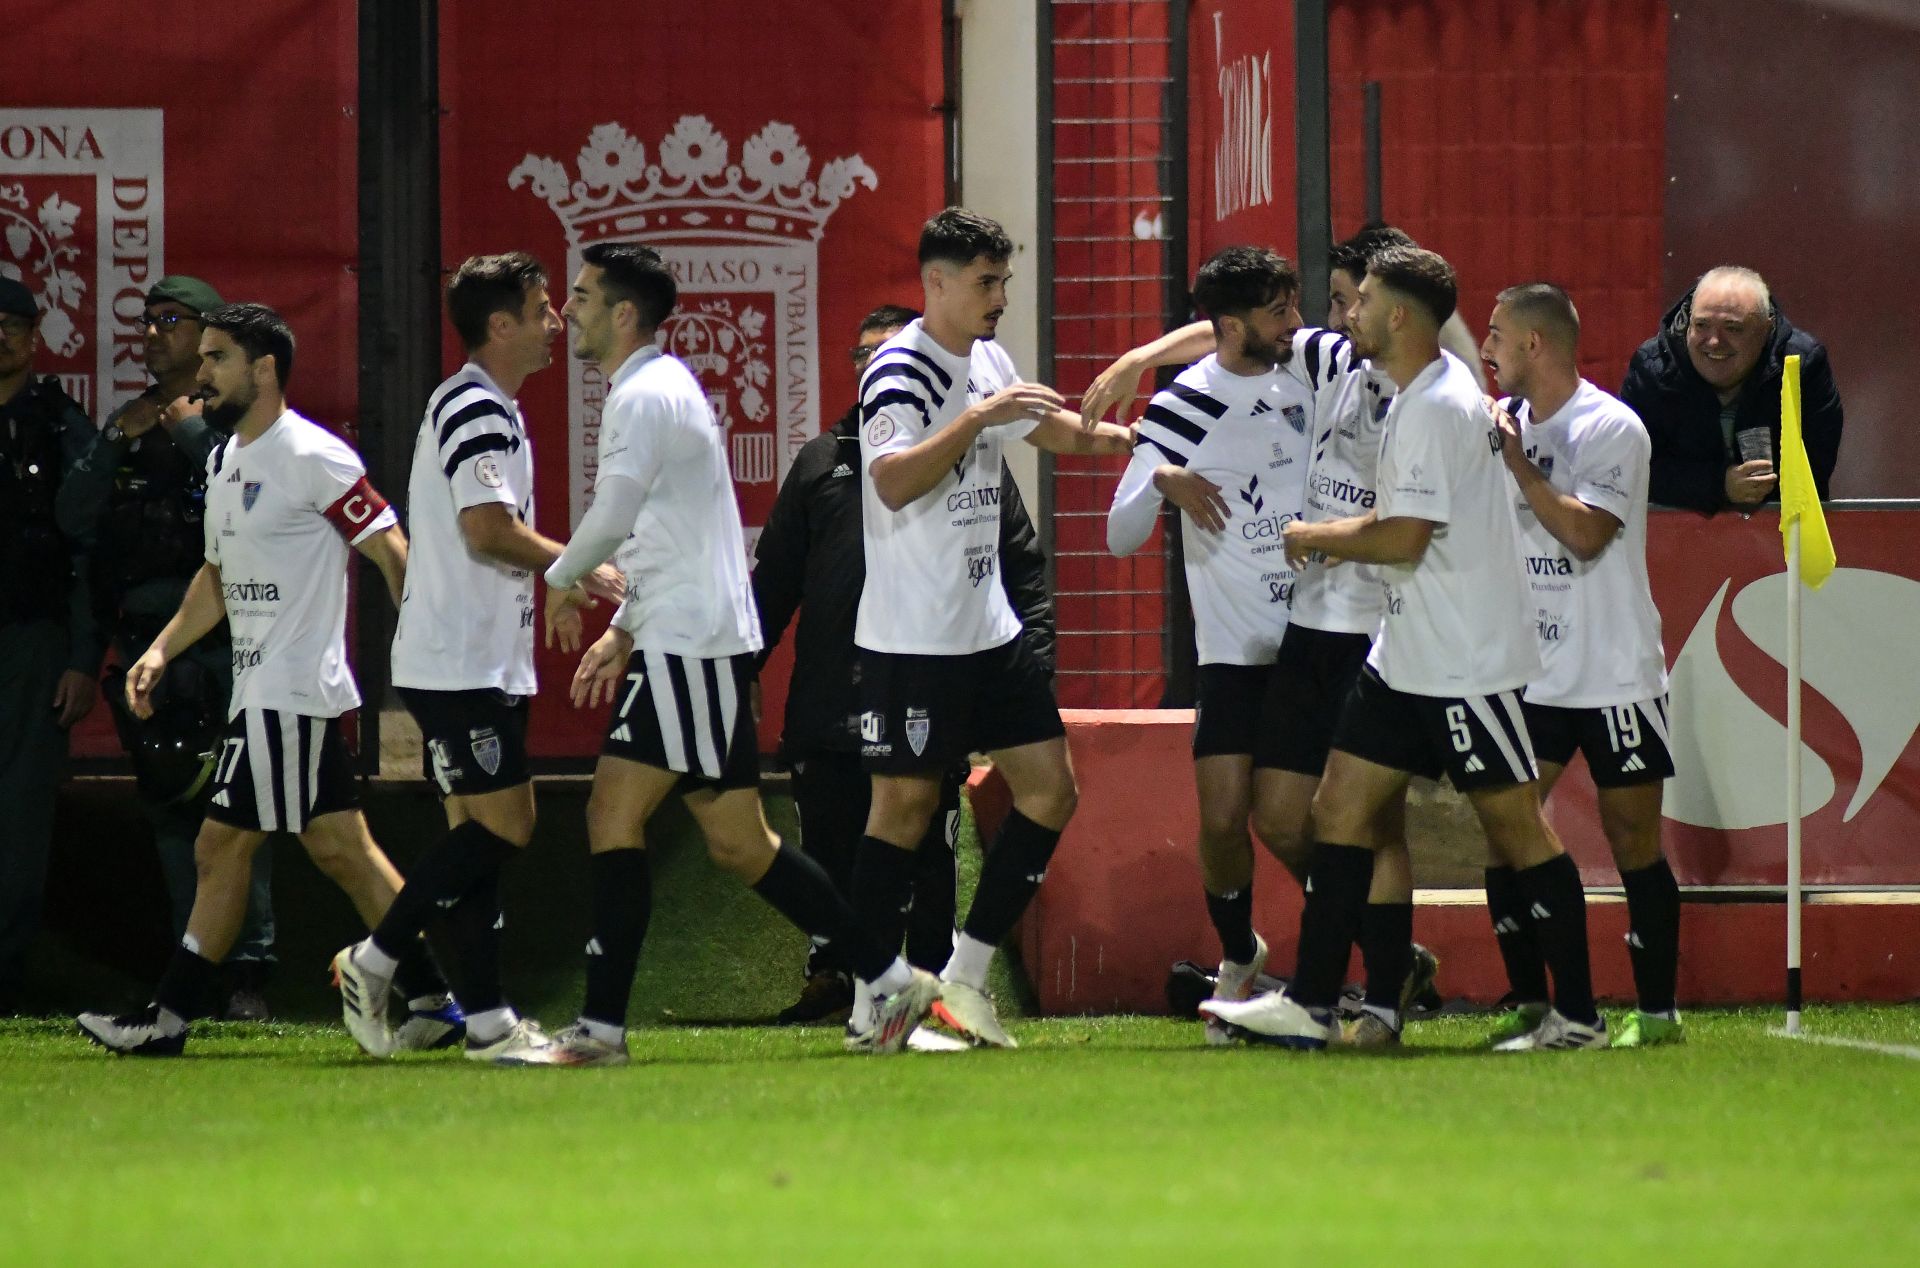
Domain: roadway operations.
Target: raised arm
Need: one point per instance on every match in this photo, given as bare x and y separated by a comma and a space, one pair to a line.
1120, 382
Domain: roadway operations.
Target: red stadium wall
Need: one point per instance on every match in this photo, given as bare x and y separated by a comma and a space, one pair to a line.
1522, 139
819, 92
212, 139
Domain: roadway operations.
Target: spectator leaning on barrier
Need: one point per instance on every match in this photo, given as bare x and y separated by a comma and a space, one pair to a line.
49, 648
136, 500
1708, 389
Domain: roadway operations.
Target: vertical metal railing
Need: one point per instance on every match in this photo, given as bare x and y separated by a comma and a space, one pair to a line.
1113, 214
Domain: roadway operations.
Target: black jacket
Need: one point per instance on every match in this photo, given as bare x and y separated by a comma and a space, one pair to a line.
810, 558
43, 571
1682, 413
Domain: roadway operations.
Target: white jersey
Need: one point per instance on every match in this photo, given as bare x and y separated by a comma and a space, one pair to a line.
281, 513
1249, 435
1350, 412
933, 567
1458, 622
466, 622
1598, 628
688, 593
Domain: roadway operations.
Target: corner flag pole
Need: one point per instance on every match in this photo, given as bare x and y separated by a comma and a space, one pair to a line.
1793, 778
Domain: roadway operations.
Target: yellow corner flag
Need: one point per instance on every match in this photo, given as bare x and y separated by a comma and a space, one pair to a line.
1799, 499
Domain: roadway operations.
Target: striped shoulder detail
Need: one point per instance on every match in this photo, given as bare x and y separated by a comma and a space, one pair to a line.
464, 405
908, 375
900, 352
218, 458
1197, 400
1326, 356
1175, 423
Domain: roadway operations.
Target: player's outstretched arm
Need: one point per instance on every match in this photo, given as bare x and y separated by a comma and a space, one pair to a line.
1584, 530
1062, 431
201, 608
1362, 539
904, 476
388, 550
1120, 382
494, 532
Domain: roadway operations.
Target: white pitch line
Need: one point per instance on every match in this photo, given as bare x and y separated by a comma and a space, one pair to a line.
1908, 1051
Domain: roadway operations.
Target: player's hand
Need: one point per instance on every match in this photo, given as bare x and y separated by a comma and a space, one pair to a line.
1749, 483
1512, 450
179, 410
753, 701
1117, 385
601, 668
1296, 540
1020, 403
605, 582
138, 418
73, 697
142, 676
563, 621
1198, 496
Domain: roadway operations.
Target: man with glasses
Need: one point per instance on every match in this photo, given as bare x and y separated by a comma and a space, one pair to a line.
810, 558
136, 500
49, 648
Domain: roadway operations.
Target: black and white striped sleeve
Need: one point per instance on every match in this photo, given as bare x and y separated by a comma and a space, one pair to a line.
1176, 421
901, 394
470, 428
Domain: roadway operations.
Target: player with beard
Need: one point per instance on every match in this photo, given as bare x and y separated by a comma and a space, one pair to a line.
1227, 443
944, 670
1580, 459
285, 500
677, 662
463, 656
1334, 614
1440, 689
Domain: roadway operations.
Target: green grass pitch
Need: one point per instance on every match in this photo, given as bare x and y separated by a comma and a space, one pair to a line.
1099, 1142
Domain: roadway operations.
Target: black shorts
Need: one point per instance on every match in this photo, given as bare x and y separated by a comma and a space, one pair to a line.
1311, 680
471, 741
1233, 712
920, 714
1476, 741
278, 772
1624, 744
690, 714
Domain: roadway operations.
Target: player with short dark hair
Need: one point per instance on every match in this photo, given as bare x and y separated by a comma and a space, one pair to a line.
677, 663
1581, 461
943, 668
463, 656
1440, 690
285, 500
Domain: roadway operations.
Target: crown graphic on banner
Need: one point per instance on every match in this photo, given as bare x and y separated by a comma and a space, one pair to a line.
693, 191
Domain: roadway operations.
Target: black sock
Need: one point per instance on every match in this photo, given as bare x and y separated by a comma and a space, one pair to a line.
1518, 941
883, 889
1232, 916
189, 986
451, 866
1010, 878
473, 927
1653, 934
795, 887
930, 919
419, 974
1337, 882
622, 883
1559, 909
1386, 948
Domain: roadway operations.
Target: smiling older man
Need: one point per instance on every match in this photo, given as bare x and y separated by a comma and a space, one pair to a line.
1708, 389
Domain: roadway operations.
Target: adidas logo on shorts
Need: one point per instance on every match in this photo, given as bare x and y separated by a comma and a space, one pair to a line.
1632, 764
1475, 766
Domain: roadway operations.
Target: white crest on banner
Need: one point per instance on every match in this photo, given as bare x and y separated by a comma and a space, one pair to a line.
742, 240
82, 225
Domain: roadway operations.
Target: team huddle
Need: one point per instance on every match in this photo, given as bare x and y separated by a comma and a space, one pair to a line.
1391, 575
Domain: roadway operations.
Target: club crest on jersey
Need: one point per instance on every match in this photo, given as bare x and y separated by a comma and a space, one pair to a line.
485, 743
1296, 416
919, 727
249, 494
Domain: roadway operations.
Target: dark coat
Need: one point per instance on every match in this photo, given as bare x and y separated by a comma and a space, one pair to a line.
811, 558
1682, 413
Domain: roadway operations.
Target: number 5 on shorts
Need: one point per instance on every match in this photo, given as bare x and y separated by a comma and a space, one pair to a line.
1457, 728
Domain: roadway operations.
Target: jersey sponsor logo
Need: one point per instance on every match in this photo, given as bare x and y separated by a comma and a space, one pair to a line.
919, 727
245, 659
252, 592
1549, 566
1339, 490
979, 568
485, 743
1279, 591
1549, 630
973, 499
250, 493
1267, 527
487, 471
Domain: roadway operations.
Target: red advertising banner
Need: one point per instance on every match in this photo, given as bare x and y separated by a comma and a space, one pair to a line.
1722, 592
218, 141
782, 156
1240, 127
